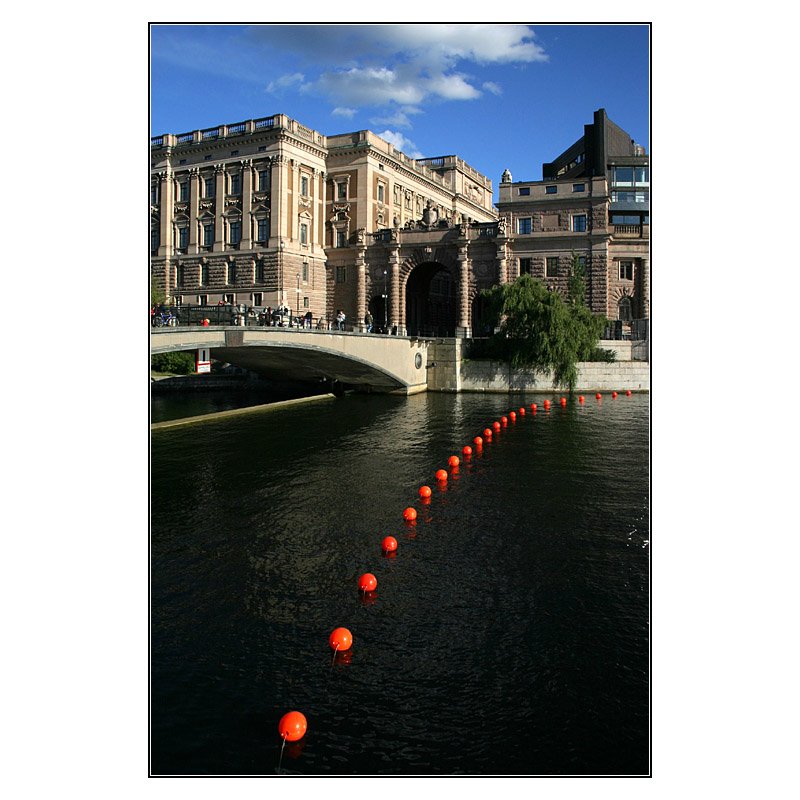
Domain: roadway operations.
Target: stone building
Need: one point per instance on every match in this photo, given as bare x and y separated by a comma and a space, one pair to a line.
268, 212
592, 203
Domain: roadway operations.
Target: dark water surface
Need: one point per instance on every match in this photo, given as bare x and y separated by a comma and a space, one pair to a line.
509, 635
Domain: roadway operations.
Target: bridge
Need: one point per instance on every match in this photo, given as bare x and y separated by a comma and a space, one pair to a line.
382, 363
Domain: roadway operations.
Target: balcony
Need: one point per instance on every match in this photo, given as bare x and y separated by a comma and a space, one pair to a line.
631, 231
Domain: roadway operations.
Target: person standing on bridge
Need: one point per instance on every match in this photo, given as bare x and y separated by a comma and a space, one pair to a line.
368, 321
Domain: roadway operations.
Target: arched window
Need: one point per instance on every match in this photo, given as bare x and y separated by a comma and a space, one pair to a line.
624, 309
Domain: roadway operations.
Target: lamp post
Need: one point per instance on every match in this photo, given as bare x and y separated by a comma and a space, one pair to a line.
385, 304
298, 300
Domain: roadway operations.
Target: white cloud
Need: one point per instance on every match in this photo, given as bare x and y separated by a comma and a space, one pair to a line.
341, 111
285, 81
451, 87
491, 86
399, 141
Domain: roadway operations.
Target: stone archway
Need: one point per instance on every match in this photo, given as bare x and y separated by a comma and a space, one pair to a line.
380, 313
430, 301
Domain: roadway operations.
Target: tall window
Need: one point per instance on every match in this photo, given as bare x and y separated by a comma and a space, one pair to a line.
305, 272
183, 238
303, 233
262, 233
341, 191
181, 277
380, 192
341, 274
236, 184
524, 225
203, 275
155, 239
304, 185
232, 273
263, 180
626, 270
579, 223
258, 299
153, 194
624, 310
341, 239
208, 234
183, 191
259, 273
551, 267
208, 187
236, 232
525, 266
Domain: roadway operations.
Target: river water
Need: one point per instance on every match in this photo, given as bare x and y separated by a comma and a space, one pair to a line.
509, 635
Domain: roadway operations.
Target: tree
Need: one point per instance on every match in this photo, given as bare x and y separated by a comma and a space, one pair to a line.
541, 331
157, 295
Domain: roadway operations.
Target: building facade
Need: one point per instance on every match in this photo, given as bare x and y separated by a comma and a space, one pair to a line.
268, 212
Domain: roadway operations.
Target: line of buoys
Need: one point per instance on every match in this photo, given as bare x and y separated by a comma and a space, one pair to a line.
410, 514
367, 582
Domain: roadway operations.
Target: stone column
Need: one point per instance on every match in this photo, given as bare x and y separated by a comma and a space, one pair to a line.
394, 287
294, 228
194, 206
278, 205
464, 269
644, 281
166, 211
361, 286
219, 209
502, 261
247, 204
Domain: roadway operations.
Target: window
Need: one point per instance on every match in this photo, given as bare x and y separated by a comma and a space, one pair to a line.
234, 152
303, 233
341, 274
305, 272
551, 189
525, 191
181, 277
626, 219
183, 190
641, 176
232, 273
208, 234
258, 299
204, 275
208, 187
551, 267
182, 161
341, 239
202, 299
235, 232
153, 194
525, 266
155, 240
582, 261
624, 311
263, 180
578, 187
579, 223
380, 192
236, 184
629, 197
229, 298
262, 232
183, 238
341, 191
524, 225
304, 185
622, 176
626, 272
260, 272
305, 302
397, 195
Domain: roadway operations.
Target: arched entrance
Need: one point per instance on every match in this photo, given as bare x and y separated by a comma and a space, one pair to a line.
380, 317
430, 301
480, 317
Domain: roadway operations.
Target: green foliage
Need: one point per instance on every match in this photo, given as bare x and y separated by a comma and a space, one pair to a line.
174, 363
157, 295
576, 285
540, 331
601, 354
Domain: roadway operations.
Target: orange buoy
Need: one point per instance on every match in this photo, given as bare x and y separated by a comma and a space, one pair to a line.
512, 415
581, 399
424, 491
367, 582
466, 450
441, 474
453, 461
340, 639
598, 396
546, 405
504, 420
389, 544
487, 432
563, 401
477, 441
409, 514
496, 426
293, 726
613, 395
534, 407
628, 393
522, 411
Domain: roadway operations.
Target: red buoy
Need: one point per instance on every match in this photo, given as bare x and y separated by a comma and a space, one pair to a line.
367, 582
504, 420
487, 432
466, 450
424, 491
496, 426
453, 461
581, 399
441, 474
613, 395
409, 514
512, 416
628, 393
522, 411
389, 544
340, 639
598, 396
477, 441
534, 407
563, 401
546, 405
293, 726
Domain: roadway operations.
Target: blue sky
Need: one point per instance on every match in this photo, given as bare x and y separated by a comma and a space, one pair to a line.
496, 95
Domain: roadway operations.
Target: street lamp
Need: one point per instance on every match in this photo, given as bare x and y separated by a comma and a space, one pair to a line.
298, 299
385, 304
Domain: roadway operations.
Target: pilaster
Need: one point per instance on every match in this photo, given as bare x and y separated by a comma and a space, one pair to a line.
247, 203
219, 209
194, 210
